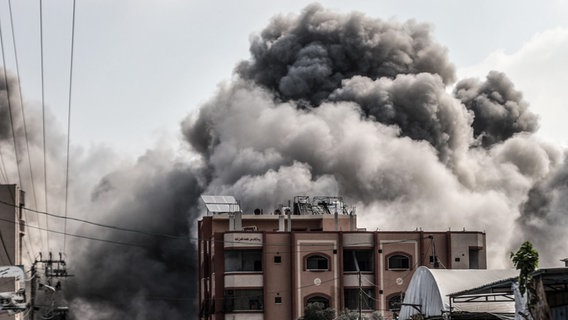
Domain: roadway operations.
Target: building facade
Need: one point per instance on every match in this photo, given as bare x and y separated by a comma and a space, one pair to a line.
270, 266
11, 234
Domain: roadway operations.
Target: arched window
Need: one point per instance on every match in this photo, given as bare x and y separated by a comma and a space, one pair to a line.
320, 299
398, 262
394, 301
317, 262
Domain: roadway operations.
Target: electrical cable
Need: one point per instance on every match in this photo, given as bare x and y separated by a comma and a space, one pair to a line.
69, 123
21, 100
9, 105
102, 225
33, 186
43, 119
79, 236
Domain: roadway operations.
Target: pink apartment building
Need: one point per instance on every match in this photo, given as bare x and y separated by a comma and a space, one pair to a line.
269, 266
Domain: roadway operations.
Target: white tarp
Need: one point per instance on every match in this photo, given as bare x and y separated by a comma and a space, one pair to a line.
429, 288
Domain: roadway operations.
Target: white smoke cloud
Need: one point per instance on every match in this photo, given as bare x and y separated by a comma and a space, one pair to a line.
337, 104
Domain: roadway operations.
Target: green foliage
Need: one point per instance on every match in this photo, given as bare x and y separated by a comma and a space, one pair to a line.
526, 261
348, 315
354, 315
376, 316
316, 311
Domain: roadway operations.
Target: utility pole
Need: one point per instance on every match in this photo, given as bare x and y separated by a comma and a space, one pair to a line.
360, 297
435, 259
33, 292
50, 283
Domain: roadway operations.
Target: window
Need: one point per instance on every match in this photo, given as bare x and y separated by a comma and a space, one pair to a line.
398, 262
278, 300
358, 258
318, 299
352, 299
243, 260
243, 300
277, 259
317, 263
394, 301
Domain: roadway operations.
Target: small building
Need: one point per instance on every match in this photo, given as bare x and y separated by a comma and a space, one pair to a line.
11, 235
269, 265
484, 294
435, 293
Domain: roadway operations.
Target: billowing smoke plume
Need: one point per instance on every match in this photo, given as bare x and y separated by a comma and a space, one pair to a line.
307, 57
499, 109
360, 107
152, 276
6, 85
334, 104
545, 215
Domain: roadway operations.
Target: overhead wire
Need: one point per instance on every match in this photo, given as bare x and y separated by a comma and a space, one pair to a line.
12, 123
9, 103
79, 236
43, 118
33, 187
17, 64
183, 237
69, 122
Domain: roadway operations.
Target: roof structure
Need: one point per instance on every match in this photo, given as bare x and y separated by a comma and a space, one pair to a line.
429, 292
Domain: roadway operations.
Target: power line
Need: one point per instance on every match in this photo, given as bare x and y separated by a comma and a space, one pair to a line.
78, 235
100, 224
22, 109
9, 103
69, 123
21, 100
43, 117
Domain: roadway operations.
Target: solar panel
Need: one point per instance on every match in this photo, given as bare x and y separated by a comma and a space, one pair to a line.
217, 204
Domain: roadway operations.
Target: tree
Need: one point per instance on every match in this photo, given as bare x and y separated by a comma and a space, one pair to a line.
526, 261
348, 315
317, 311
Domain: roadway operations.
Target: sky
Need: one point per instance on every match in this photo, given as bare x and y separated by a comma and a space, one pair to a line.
141, 66
158, 106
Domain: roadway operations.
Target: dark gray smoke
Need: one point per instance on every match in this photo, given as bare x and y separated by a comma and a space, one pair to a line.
333, 104
7, 86
306, 57
417, 104
346, 104
499, 109
155, 276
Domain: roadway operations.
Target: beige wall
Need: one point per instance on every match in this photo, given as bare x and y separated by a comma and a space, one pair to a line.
464, 242
309, 283
277, 276
289, 279
270, 223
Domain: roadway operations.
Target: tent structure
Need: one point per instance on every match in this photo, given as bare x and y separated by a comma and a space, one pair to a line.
429, 293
